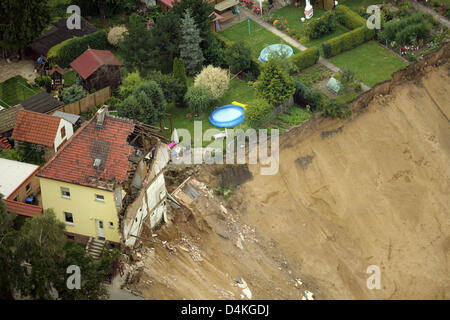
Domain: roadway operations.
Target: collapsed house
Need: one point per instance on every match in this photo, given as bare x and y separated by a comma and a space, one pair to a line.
107, 181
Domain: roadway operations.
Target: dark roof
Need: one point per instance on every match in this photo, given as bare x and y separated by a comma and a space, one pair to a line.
42, 102
72, 118
8, 118
37, 128
58, 33
105, 145
90, 60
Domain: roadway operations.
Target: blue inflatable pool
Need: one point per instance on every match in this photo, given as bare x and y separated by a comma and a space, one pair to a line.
283, 49
227, 116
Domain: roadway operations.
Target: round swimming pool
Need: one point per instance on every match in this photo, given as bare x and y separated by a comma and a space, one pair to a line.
227, 116
282, 49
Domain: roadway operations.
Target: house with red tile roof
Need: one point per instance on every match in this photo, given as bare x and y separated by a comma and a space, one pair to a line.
107, 181
98, 69
44, 132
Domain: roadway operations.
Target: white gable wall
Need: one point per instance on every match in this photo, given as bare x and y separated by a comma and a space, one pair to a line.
69, 132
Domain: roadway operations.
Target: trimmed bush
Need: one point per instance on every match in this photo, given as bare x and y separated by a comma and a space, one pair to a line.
302, 93
198, 99
349, 18
67, 51
346, 41
305, 58
321, 26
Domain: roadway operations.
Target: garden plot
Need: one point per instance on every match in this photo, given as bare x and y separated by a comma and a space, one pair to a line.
258, 39
14, 90
297, 29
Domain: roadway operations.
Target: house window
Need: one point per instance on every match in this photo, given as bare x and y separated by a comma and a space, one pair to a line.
68, 217
100, 198
65, 193
28, 188
111, 225
63, 132
70, 237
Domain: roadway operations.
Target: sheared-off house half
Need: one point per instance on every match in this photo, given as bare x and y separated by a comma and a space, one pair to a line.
107, 181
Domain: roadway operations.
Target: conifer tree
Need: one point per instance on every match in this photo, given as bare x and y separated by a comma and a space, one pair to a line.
190, 50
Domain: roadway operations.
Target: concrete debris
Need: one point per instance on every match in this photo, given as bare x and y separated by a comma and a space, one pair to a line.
169, 247
308, 295
298, 283
245, 290
224, 210
239, 244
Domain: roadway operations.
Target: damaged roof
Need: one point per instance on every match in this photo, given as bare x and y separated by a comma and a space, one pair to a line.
8, 118
95, 156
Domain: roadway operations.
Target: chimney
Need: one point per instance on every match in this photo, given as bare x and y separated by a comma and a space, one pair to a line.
101, 115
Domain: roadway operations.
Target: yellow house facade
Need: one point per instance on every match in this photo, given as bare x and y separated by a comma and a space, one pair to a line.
87, 212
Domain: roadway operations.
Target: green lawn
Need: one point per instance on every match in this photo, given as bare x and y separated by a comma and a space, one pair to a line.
370, 62
237, 91
289, 118
15, 90
70, 78
314, 74
258, 39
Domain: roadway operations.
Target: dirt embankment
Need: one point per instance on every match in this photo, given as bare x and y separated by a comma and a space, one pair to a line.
373, 190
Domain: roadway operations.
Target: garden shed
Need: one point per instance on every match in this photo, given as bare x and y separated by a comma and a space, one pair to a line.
98, 69
57, 75
42, 103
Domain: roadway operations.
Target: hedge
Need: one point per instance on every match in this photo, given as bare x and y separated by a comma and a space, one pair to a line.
346, 41
67, 51
349, 18
305, 58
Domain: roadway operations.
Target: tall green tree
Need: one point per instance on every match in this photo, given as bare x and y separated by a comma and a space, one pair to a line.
9, 265
190, 50
179, 70
22, 22
136, 47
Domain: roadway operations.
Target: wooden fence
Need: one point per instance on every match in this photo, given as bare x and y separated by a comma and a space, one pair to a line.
87, 103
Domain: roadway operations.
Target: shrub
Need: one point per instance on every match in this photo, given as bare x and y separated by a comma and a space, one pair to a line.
321, 26
198, 99
302, 93
172, 88
70, 49
346, 41
45, 82
146, 104
214, 79
238, 57
129, 83
305, 58
115, 35
349, 18
73, 93
413, 32
337, 109
274, 84
257, 110
392, 28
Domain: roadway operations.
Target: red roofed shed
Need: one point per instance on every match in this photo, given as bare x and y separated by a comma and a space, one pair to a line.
98, 69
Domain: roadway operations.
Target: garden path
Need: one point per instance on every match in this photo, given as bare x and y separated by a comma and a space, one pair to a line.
247, 13
425, 9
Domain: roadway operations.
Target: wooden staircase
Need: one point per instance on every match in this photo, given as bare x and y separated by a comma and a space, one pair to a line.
95, 248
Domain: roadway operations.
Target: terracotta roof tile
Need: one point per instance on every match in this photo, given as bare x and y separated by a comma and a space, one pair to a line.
23, 209
90, 60
37, 128
74, 162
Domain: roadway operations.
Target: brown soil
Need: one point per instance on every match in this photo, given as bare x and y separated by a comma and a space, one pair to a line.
371, 191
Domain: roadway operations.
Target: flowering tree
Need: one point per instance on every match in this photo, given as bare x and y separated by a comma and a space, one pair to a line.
115, 35
214, 79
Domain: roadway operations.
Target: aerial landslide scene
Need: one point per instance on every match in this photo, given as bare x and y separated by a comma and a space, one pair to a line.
225, 150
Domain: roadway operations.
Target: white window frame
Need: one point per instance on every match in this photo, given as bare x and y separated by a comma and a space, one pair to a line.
63, 195
65, 218
26, 188
99, 200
